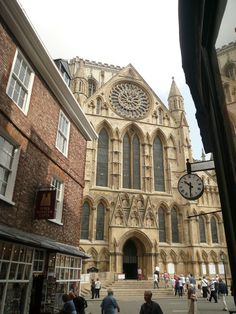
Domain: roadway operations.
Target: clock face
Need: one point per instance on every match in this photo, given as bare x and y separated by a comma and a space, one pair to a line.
190, 186
129, 100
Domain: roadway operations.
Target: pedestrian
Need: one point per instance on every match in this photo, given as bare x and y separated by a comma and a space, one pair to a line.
150, 307
157, 271
204, 286
223, 291
192, 299
97, 288
177, 287
68, 307
212, 290
166, 279
139, 273
109, 303
155, 281
79, 302
93, 288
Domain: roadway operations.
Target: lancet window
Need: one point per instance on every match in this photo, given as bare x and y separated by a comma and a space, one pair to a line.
102, 158
159, 183
131, 161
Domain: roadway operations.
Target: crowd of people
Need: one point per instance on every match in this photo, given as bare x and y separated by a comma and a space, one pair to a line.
210, 289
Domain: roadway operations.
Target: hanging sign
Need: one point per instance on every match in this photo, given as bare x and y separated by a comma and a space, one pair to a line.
45, 203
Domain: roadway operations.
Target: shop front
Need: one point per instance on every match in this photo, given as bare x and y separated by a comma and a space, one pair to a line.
34, 276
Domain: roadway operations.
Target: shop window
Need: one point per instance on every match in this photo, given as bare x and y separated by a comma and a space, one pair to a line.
162, 225
39, 258
59, 186
15, 271
20, 82
85, 221
100, 222
67, 270
202, 230
9, 157
131, 161
159, 184
102, 159
63, 133
174, 226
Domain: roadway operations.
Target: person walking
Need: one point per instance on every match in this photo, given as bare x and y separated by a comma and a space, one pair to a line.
212, 290
155, 281
109, 304
150, 307
177, 287
222, 290
68, 307
204, 286
192, 299
157, 271
97, 288
93, 288
79, 302
139, 273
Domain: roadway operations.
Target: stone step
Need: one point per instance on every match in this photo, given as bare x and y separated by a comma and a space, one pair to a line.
131, 288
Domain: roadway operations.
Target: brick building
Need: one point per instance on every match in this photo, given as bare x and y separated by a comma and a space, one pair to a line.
43, 135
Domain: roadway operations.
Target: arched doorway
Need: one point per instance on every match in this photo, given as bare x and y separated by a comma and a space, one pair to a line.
130, 260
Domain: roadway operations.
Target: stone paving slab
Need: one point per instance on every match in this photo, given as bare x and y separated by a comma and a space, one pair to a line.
172, 305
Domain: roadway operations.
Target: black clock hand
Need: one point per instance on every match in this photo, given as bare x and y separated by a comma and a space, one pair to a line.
187, 183
190, 188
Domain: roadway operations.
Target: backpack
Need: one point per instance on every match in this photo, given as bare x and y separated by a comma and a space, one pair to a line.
80, 304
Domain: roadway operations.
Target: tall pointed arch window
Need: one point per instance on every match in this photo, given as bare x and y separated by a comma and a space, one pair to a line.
174, 226
202, 230
214, 233
85, 221
162, 225
159, 183
91, 87
131, 161
102, 158
100, 222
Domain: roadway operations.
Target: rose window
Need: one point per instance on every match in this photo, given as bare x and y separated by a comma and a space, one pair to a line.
129, 100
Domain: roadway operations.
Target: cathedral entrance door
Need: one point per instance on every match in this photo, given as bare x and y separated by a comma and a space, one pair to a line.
130, 260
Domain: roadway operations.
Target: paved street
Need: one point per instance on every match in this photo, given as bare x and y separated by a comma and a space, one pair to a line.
171, 305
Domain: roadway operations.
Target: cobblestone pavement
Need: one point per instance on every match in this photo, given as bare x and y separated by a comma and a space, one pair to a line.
130, 305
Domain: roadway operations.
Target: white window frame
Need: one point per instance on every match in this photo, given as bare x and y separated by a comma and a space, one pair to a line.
61, 135
26, 87
59, 199
7, 197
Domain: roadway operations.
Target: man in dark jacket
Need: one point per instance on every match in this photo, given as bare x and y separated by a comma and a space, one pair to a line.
223, 291
150, 307
79, 302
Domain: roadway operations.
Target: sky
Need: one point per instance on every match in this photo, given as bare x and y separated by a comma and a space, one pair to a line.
143, 33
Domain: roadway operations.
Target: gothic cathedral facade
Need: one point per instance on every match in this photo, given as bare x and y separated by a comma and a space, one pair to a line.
133, 215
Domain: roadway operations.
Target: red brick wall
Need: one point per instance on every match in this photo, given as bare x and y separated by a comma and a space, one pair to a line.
39, 158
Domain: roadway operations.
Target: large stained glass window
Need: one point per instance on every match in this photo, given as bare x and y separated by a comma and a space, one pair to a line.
174, 226
159, 184
85, 221
131, 162
100, 222
162, 225
214, 233
102, 159
202, 230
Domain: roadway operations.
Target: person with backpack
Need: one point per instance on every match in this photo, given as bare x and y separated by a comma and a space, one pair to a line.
223, 291
79, 302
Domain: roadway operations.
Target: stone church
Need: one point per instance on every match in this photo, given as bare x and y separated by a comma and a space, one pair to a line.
133, 215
